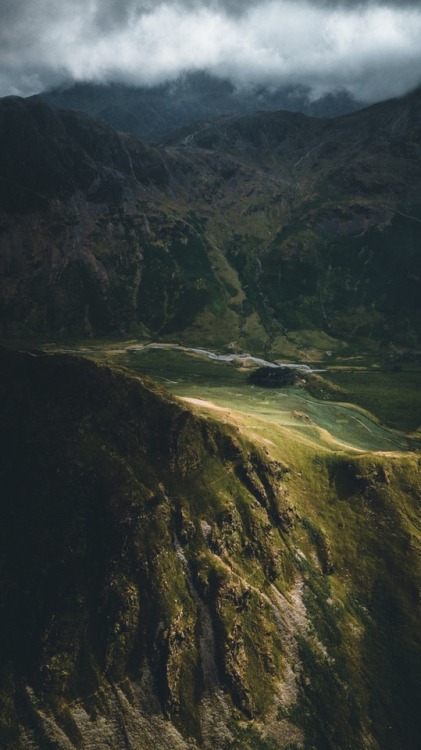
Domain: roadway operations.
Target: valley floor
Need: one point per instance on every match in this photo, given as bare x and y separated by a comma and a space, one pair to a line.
374, 409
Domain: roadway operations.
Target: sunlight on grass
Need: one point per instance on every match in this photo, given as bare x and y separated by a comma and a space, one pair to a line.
292, 410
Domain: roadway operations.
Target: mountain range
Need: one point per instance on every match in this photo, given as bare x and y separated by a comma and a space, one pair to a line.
152, 112
242, 572
257, 230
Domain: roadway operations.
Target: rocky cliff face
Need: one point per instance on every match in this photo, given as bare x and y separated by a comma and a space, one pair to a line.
165, 582
251, 230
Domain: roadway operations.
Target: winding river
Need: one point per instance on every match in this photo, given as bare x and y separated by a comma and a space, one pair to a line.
244, 359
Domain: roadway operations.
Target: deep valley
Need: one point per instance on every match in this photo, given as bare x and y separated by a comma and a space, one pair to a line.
210, 401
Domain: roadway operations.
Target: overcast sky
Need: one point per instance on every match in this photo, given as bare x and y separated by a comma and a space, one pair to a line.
370, 47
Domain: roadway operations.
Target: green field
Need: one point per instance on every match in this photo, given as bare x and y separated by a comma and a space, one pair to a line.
394, 397
375, 401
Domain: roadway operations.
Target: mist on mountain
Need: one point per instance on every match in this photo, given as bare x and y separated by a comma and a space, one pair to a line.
370, 49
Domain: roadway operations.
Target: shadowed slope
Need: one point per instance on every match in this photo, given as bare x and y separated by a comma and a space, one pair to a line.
268, 231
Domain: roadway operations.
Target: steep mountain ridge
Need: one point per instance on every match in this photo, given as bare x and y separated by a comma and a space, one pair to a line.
261, 230
164, 580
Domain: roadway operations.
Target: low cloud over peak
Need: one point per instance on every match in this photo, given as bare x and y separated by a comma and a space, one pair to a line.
370, 48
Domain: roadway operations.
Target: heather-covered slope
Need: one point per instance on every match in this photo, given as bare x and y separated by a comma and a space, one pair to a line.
169, 580
267, 232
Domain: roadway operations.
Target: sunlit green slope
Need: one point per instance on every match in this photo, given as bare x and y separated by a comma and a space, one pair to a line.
180, 576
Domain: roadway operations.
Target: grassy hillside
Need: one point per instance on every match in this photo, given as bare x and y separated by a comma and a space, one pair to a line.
181, 576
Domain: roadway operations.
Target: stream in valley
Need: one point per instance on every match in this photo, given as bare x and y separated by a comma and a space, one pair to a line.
222, 379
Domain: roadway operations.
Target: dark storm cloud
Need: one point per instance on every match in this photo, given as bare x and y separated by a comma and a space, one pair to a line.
370, 47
